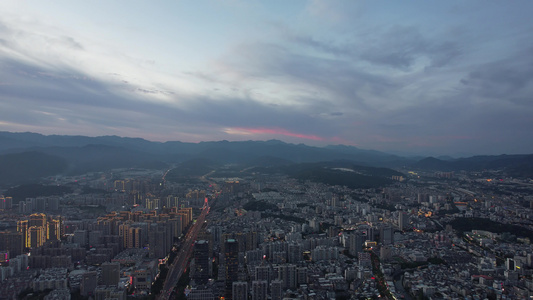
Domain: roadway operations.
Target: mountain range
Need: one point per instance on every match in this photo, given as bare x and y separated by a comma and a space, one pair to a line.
31, 155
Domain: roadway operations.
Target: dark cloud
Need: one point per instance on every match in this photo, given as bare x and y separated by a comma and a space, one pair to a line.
54, 87
398, 47
509, 79
323, 46
80, 101
337, 79
71, 42
462, 116
387, 87
41, 97
455, 120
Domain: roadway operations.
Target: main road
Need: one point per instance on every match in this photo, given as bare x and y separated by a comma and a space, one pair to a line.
180, 262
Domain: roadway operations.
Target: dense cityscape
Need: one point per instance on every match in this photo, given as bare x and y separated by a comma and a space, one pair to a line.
139, 233
266, 150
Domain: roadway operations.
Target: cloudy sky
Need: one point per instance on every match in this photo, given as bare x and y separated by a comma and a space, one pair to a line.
437, 77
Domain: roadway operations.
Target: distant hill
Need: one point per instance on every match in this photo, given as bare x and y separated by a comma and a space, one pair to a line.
342, 173
434, 164
91, 158
176, 152
82, 154
27, 167
512, 165
339, 172
268, 161
342, 178
191, 168
21, 192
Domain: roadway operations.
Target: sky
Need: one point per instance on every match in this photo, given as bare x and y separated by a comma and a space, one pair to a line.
432, 77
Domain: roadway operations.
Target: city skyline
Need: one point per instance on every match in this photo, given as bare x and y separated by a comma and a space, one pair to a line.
418, 77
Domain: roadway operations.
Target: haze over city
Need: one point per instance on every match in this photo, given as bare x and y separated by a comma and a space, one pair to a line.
406, 77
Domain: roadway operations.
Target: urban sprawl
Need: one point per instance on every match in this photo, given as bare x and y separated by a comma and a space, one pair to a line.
132, 233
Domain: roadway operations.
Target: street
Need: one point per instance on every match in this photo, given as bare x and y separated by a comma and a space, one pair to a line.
179, 265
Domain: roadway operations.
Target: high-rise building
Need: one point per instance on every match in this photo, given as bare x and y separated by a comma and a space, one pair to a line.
6, 203
365, 259
108, 292
231, 263
160, 238
385, 253
88, 284
241, 240
136, 237
153, 203
22, 227
371, 233
294, 253
262, 273
301, 275
403, 220
110, 273
287, 274
81, 237
38, 220
259, 289
171, 201
39, 204
52, 203
276, 288
95, 237
510, 264
387, 235
239, 290
355, 242
217, 234
120, 185
13, 242
175, 227
54, 229
36, 236
251, 240
187, 212
34, 231
132, 236
201, 293
207, 236
201, 262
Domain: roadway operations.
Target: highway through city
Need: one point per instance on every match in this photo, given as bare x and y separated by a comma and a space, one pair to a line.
179, 265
